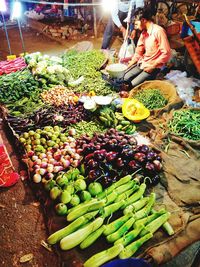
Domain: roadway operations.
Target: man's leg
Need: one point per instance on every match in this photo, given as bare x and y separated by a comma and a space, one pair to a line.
108, 33
131, 73
143, 76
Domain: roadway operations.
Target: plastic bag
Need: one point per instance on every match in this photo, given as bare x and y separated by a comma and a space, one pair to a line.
127, 49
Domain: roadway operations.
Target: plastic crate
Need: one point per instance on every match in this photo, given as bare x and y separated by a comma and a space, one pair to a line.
173, 29
193, 48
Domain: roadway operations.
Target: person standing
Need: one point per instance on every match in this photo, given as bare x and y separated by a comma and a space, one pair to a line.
119, 12
152, 51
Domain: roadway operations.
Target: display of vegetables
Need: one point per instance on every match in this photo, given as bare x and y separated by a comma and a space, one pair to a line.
116, 119
49, 116
59, 96
88, 171
49, 151
151, 98
127, 233
109, 156
90, 127
25, 106
14, 65
185, 123
47, 70
17, 85
87, 64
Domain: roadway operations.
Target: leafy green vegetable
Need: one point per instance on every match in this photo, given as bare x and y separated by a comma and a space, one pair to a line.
151, 98
87, 64
15, 86
185, 123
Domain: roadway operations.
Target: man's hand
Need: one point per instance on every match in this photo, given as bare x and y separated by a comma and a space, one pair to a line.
123, 30
131, 63
149, 69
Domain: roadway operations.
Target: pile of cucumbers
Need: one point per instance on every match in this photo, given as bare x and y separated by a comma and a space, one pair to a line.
127, 233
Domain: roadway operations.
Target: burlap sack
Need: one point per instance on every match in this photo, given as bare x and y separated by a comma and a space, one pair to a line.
167, 89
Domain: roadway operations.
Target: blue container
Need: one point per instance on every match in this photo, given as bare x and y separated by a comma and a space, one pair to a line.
131, 262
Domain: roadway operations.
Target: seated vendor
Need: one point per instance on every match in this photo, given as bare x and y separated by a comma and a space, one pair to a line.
152, 51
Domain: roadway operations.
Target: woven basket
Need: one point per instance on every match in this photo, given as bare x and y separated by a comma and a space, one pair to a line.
167, 89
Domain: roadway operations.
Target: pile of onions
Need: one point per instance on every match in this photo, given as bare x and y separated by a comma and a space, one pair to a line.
45, 165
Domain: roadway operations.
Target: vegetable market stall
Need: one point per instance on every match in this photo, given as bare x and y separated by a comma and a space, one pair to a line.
86, 162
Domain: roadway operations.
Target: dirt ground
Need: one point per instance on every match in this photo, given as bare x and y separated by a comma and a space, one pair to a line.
22, 224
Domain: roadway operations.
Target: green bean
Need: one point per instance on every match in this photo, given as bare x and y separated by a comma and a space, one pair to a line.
151, 98
185, 123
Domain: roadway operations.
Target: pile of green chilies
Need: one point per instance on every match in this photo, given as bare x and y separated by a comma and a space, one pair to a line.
186, 123
151, 98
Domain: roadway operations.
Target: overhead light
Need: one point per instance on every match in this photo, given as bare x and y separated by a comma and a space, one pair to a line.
3, 6
108, 5
17, 10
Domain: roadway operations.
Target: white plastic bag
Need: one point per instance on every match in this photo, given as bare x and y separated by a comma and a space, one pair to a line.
127, 50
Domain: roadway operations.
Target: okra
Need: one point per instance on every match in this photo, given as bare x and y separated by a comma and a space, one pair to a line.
78, 236
110, 198
149, 218
147, 209
166, 226
130, 250
126, 194
135, 196
115, 225
123, 188
92, 237
110, 189
82, 205
84, 209
130, 236
136, 206
121, 231
104, 256
155, 224
108, 210
57, 236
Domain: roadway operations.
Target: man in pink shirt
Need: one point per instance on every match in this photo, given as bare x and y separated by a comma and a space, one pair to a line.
152, 51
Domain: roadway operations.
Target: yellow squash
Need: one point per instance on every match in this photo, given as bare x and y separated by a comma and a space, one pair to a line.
134, 110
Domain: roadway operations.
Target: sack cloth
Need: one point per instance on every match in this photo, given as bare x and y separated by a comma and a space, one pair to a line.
181, 183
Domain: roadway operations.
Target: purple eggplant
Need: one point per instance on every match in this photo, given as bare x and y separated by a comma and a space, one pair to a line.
140, 157
111, 156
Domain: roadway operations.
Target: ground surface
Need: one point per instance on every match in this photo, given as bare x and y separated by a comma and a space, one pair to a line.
22, 225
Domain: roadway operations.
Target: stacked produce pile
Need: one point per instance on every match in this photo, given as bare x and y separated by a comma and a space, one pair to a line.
9, 66
80, 148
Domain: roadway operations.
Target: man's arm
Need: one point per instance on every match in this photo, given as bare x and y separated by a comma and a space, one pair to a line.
139, 51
